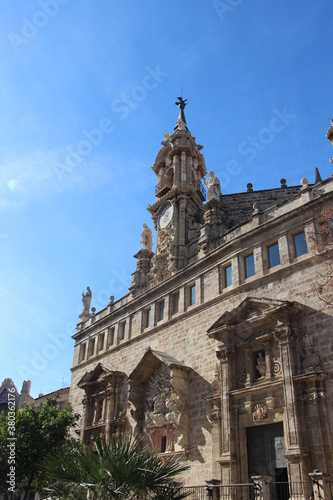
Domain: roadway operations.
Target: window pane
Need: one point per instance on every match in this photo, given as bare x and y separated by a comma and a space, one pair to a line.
161, 310
111, 337
192, 295
175, 303
147, 318
228, 276
123, 331
249, 266
274, 255
300, 244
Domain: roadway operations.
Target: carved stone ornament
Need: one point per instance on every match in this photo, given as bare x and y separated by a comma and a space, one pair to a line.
216, 383
214, 415
311, 363
162, 404
261, 364
248, 405
260, 412
315, 397
241, 378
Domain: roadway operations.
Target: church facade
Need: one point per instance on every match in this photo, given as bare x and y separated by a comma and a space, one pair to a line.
221, 353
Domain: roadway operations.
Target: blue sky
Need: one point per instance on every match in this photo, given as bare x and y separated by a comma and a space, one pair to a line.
87, 89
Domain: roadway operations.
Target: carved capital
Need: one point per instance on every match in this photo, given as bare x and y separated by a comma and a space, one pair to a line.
223, 353
282, 334
215, 415
315, 397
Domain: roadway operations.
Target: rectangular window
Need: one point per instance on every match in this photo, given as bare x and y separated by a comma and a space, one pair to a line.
100, 346
111, 336
146, 318
122, 331
228, 276
300, 245
82, 354
91, 348
249, 266
160, 310
273, 255
191, 295
175, 303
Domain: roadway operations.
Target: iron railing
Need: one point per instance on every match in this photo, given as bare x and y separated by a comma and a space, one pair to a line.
286, 490
221, 492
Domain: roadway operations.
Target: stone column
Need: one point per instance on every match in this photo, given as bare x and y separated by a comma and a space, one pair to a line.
183, 168
228, 459
261, 487
109, 398
189, 163
86, 411
248, 367
268, 360
295, 455
116, 398
176, 168
182, 250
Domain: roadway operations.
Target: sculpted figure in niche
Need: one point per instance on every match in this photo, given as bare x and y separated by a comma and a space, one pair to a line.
146, 238
308, 340
261, 364
214, 187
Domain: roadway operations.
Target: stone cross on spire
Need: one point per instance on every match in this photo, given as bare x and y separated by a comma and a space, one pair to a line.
181, 121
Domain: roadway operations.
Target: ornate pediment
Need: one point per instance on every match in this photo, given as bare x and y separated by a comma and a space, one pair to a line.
252, 317
100, 373
150, 362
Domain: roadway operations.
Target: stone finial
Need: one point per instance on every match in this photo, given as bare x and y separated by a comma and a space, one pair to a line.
304, 182
283, 183
214, 187
317, 176
146, 238
86, 300
249, 187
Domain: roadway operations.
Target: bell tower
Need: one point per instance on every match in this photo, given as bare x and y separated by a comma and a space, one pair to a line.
178, 210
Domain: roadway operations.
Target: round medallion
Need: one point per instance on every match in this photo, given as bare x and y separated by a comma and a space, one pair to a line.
165, 216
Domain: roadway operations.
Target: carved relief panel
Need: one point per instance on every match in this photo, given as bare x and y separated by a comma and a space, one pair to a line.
158, 395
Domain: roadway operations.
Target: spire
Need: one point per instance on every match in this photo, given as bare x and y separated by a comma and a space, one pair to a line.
181, 121
318, 176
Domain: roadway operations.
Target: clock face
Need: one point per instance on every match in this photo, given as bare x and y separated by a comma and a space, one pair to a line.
165, 216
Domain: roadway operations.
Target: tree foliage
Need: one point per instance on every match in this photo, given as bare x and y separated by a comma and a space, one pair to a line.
119, 470
38, 432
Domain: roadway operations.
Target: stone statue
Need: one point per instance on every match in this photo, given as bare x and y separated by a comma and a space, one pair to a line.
261, 364
214, 187
86, 300
308, 340
146, 238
